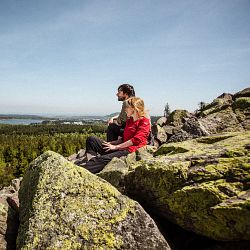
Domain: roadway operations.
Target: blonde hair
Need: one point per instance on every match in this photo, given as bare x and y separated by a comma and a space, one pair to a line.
138, 104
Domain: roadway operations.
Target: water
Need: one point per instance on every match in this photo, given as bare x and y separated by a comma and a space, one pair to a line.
20, 121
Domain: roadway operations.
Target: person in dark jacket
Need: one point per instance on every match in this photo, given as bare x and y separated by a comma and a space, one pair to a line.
135, 136
117, 123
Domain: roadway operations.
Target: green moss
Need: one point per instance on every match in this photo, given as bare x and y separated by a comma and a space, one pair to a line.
170, 150
221, 168
213, 139
233, 213
231, 142
186, 187
246, 166
114, 172
232, 153
176, 117
191, 208
53, 209
170, 177
241, 103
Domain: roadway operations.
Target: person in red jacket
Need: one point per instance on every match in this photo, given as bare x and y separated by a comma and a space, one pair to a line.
135, 136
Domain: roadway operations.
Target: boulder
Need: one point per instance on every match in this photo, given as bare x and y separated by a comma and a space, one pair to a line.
194, 128
78, 157
9, 215
161, 121
176, 118
169, 130
63, 206
241, 108
224, 121
116, 170
227, 113
226, 96
191, 128
181, 135
243, 93
201, 184
220, 103
159, 133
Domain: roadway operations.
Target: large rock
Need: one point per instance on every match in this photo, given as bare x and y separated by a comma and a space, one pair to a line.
180, 135
117, 169
159, 133
63, 206
9, 215
194, 128
220, 103
226, 113
191, 128
162, 121
243, 93
223, 121
201, 184
177, 117
241, 107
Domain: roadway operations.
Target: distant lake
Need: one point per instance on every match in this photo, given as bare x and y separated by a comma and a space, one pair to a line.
19, 121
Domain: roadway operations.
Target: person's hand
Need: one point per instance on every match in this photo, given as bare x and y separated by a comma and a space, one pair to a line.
111, 120
107, 146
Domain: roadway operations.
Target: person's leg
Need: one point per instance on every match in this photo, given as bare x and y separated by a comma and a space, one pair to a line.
96, 164
94, 146
113, 132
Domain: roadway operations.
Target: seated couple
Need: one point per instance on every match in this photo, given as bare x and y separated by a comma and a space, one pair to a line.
135, 136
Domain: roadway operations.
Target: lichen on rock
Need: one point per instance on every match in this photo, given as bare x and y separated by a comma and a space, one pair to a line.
63, 206
194, 183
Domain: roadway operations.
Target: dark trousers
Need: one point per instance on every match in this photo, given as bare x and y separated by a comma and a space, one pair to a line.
102, 158
114, 131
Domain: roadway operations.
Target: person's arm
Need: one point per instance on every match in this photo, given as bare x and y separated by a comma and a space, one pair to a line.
108, 146
111, 120
140, 136
118, 141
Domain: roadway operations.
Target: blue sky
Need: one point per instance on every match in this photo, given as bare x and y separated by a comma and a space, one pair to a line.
68, 57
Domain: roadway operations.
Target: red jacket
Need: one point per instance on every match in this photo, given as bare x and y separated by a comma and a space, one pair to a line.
137, 132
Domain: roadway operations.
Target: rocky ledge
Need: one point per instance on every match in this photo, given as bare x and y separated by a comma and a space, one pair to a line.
203, 184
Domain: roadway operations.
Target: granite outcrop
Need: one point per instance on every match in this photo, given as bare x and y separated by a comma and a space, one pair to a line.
203, 184
226, 113
63, 206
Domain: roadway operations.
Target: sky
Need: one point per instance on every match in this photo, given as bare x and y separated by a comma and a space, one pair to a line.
69, 57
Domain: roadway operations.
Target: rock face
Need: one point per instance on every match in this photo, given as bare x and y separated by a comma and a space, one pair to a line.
203, 184
9, 215
63, 206
226, 113
116, 170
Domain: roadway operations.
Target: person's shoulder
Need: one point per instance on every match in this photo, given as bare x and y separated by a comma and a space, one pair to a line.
144, 120
147, 115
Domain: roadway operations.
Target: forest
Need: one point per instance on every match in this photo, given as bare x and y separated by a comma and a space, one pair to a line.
21, 144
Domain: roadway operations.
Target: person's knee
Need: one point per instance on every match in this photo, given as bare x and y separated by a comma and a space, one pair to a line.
90, 139
112, 126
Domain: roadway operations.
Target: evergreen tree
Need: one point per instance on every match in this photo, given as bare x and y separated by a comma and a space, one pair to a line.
167, 110
202, 105
21, 144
